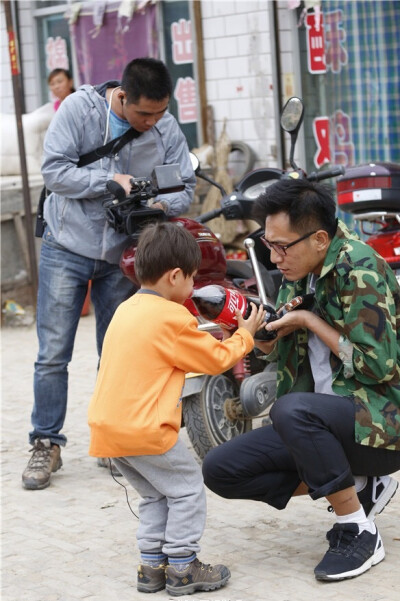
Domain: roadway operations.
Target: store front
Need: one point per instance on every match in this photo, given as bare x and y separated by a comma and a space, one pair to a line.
349, 53
95, 40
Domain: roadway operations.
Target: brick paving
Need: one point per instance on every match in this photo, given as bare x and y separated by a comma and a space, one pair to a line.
76, 539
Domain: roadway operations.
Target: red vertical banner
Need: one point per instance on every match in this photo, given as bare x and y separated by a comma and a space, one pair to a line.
12, 48
321, 135
315, 43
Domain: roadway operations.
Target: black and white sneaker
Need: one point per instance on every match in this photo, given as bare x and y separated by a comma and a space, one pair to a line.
376, 494
350, 553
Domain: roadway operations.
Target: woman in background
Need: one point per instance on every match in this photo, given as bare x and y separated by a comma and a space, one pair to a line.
60, 84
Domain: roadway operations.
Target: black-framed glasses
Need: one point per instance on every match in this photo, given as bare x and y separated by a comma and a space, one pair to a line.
282, 248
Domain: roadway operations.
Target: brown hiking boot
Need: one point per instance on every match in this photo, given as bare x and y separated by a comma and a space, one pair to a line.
198, 576
149, 579
46, 458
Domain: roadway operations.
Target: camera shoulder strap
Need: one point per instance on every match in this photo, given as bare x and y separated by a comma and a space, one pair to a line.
112, 147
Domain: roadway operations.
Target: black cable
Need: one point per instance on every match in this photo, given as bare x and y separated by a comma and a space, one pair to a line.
123, 486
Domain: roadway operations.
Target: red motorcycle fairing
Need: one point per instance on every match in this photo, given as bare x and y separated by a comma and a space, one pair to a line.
213, 261
386, 242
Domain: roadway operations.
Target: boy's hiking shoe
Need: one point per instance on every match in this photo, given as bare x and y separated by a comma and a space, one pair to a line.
376, 494
198, 576
46, 458
350, 553
149, 579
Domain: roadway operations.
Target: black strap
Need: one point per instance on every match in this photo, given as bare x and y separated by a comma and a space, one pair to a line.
40, 224
112, 147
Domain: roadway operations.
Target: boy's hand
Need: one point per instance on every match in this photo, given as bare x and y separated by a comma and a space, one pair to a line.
254, 322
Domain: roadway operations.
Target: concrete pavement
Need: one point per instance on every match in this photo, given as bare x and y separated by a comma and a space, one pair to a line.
76, 539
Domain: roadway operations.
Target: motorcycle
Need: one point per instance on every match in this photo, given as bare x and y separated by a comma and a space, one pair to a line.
217, 408
371, 193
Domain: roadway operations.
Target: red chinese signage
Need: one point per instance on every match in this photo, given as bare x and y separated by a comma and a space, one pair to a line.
12, 47
326, 42
185, 88
185, 94
182, 48
56, 54
321, 136
343, 147
315, 43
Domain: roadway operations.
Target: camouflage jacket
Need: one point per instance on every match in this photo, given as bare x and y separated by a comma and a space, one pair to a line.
357, 293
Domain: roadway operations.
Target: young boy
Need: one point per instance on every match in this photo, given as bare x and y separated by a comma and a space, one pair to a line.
135, 412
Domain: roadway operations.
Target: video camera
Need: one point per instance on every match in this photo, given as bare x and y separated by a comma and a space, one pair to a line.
130, 214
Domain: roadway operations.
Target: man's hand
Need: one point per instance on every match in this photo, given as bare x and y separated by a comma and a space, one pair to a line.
159, 205
266, 346
285, 325
124, 180
293, 320
254, 322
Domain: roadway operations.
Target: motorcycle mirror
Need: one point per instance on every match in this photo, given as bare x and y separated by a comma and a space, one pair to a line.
195, 162
291, 119
196, 168
292, 115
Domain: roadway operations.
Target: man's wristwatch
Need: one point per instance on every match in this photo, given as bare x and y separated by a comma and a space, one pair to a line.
164, 204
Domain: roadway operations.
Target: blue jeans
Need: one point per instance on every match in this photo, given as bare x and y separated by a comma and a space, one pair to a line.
63, 283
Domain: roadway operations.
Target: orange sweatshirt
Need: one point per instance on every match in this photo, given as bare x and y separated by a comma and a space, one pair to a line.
149, 346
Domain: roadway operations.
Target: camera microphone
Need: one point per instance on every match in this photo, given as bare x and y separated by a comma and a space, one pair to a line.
116, 190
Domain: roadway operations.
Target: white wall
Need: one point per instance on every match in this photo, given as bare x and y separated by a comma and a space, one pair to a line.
27, 33
238, 70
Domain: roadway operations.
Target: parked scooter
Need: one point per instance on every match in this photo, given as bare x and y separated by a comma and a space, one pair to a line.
217, 408
371, 193
212, 411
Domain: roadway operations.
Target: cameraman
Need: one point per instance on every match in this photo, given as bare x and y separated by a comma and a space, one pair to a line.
78, 244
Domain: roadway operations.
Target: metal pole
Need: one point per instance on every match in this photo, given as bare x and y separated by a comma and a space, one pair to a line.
17, 90
276, 78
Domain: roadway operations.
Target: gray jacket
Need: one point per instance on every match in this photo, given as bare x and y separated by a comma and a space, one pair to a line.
74, 211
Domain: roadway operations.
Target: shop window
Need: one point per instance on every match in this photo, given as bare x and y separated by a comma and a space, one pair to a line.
350, 76
101, 41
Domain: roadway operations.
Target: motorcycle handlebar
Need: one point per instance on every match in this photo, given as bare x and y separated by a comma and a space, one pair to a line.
208, 216
334, 172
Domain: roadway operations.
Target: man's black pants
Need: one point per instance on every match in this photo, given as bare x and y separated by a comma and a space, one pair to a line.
311, 440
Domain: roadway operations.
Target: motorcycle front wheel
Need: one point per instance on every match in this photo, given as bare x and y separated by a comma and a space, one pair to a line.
209, 415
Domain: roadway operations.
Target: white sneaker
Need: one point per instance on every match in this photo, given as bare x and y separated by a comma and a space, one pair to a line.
376, 494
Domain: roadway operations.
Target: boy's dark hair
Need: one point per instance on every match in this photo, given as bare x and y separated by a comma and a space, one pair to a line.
308, 205
165, 246
146, 77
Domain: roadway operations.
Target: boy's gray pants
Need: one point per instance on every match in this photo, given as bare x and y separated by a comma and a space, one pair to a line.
172, 511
